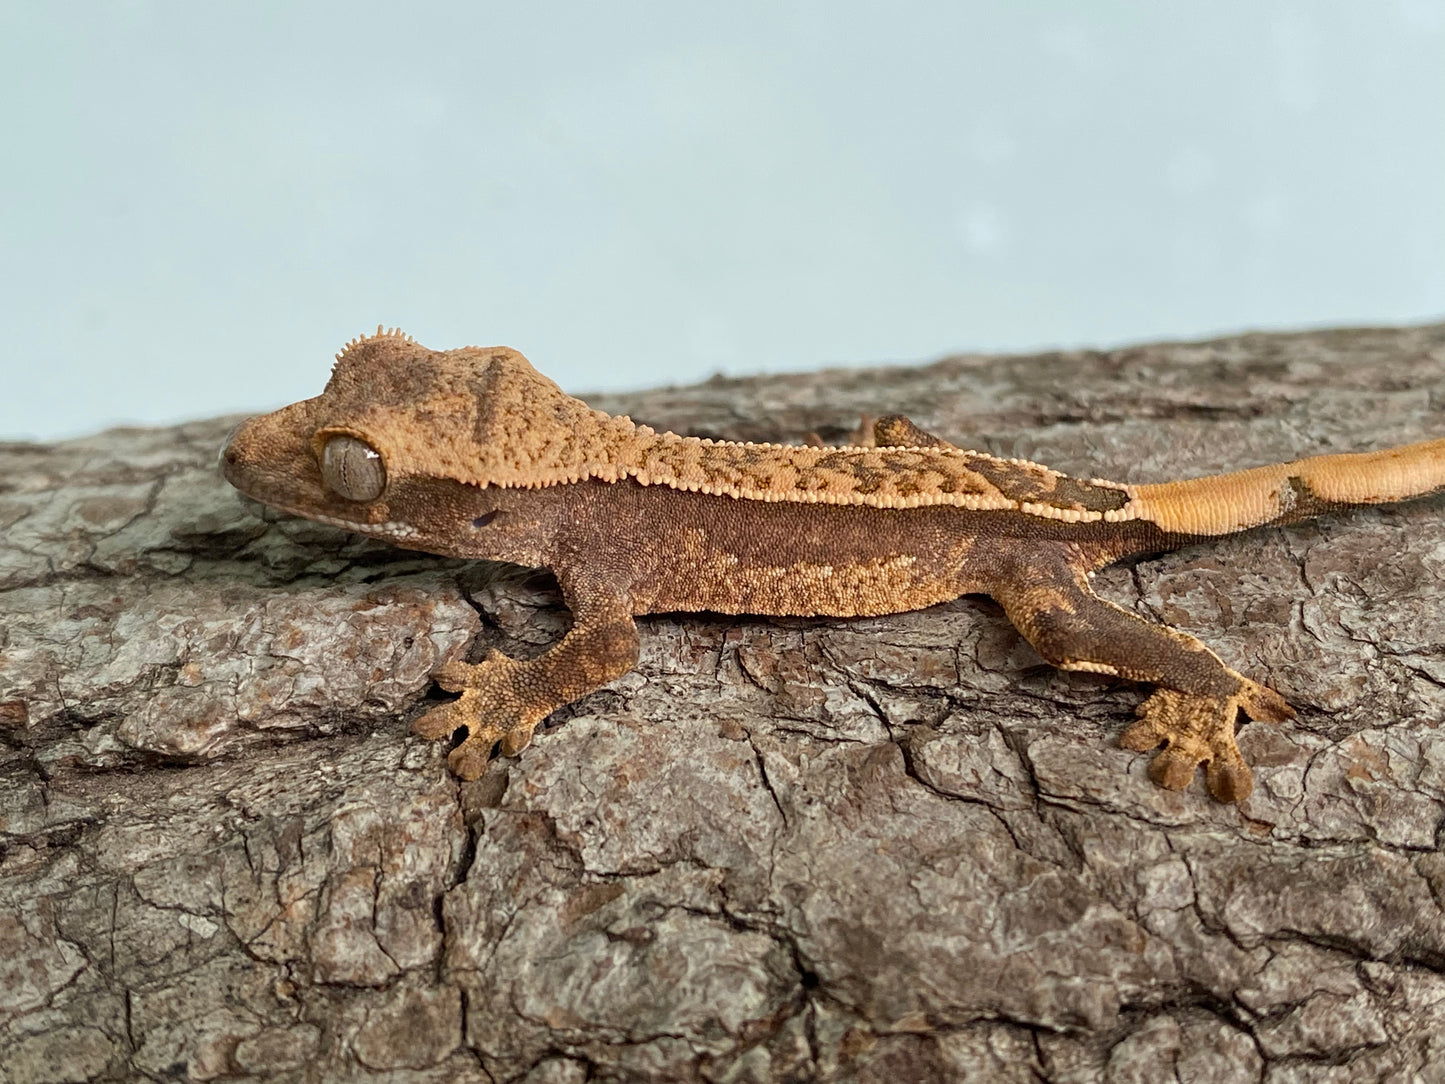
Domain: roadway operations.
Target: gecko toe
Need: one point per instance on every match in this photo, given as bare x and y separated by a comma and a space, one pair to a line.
457, 676
1263, 703
1142, 736
452, 676
1173, 768
1228, 777
442, 721
469, 760
514, 741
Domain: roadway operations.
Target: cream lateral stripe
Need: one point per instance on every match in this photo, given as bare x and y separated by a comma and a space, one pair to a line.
971, 501
1223, 503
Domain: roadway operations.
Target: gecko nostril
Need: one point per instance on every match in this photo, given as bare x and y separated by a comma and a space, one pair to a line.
482, 521
228, 456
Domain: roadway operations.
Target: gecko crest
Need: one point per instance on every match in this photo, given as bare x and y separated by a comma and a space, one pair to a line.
485, 416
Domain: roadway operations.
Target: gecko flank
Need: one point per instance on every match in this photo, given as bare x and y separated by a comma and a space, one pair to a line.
472, 453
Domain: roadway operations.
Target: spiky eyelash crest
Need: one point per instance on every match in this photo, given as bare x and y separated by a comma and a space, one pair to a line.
381, 332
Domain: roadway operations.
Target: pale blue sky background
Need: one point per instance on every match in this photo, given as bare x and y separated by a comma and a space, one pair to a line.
200, 202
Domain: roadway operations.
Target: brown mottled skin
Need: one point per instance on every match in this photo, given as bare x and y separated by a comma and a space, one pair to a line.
472, 453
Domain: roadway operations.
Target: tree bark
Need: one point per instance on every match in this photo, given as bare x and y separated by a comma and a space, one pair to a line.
890, 849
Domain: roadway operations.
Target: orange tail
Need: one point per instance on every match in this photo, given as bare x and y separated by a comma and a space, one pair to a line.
1285, 492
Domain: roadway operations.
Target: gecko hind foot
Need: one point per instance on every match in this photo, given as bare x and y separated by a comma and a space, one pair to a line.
1197, 730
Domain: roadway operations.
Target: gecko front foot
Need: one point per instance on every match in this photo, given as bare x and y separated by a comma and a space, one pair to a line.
1196, 730
494, 706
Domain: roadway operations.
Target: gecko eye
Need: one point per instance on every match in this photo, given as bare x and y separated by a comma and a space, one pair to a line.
352, 469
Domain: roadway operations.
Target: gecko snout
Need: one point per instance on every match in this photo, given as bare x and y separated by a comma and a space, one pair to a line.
230, 458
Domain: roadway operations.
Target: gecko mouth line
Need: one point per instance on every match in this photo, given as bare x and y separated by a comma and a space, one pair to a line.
389, 529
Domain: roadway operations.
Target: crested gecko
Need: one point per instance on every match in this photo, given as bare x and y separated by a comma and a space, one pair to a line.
472, 453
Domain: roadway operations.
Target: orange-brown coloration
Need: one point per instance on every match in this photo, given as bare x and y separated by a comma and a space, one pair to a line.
472, 453
487, 418
1283, 492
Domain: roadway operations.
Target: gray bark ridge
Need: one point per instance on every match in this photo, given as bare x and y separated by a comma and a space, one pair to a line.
887, 849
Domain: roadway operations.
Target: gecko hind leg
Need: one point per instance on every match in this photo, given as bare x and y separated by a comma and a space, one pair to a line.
889, 431
896, 431
1193, 712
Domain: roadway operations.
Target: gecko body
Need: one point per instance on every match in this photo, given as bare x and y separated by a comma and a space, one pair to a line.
472, 453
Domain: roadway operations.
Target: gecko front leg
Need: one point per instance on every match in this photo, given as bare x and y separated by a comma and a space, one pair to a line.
503, 699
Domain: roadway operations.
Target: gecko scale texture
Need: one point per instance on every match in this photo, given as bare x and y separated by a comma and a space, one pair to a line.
472, 453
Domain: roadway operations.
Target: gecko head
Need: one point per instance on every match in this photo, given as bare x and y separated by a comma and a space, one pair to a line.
397, 421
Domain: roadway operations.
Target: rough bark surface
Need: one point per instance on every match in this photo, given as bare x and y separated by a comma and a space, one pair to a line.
892, 849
